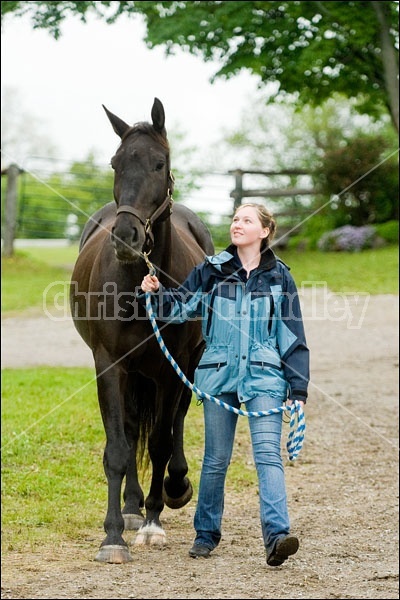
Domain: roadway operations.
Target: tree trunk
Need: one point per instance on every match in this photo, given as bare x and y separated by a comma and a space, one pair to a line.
389, 62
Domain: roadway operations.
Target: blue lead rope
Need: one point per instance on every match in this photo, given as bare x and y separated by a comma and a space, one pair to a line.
296, 434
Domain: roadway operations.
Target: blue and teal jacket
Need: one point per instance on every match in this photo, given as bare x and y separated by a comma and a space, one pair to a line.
253, 328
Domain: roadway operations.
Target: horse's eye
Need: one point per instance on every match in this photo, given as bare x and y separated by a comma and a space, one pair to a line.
160, 165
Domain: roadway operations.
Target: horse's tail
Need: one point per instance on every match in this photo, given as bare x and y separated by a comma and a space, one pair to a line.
141, 408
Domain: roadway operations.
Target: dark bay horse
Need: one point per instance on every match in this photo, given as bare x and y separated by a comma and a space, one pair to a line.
143, 402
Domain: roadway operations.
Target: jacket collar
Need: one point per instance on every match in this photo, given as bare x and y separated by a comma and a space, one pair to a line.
228, 261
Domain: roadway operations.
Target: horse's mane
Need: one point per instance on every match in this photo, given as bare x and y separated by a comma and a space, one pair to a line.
148, 129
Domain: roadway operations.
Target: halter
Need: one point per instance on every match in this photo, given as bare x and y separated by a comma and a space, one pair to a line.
149, 222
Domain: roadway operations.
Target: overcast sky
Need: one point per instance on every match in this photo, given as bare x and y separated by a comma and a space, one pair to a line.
64, 83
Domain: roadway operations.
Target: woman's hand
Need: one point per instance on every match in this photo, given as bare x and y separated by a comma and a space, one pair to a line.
289, 402
150, 283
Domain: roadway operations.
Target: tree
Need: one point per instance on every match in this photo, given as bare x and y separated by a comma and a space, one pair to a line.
361, 192
309, 49
351, 161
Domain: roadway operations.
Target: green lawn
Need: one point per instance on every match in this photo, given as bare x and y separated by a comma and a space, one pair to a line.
372, 271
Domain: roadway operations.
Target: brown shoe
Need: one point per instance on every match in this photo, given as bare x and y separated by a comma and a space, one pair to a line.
285, 547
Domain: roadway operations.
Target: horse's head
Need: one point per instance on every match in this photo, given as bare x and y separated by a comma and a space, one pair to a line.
142, 183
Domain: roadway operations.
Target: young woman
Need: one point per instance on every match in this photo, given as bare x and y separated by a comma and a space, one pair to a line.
256, 354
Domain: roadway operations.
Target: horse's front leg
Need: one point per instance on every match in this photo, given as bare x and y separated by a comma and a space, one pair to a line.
111, 382
133, 494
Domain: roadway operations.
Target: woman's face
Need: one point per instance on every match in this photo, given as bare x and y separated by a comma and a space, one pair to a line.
246, 228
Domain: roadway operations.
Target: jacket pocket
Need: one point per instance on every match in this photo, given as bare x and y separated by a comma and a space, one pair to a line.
214, 373
263, 358
266, 373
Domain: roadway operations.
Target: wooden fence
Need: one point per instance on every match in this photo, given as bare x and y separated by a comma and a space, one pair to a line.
289, 213
10, 209
285, 196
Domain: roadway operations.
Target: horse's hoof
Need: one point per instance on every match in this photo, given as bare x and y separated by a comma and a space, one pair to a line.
114, 554
133, 522
151, 535
182, 500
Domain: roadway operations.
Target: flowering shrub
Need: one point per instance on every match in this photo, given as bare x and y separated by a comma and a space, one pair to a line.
348, 238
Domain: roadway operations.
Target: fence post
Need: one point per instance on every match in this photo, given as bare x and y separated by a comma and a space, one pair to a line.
10, 210
237, 193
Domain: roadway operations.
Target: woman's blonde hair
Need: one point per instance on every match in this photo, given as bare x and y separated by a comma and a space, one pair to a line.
266, 219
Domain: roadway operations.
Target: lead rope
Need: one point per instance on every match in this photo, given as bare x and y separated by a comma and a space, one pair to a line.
296, 433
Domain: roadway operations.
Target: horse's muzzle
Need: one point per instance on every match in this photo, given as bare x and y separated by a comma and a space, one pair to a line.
127, 247
127, 240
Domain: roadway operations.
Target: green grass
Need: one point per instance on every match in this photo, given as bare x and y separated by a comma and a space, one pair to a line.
54, 487
30, 277
54, 257
372, 271
52, 442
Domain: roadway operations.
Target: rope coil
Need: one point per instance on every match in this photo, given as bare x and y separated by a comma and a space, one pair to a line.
297, 422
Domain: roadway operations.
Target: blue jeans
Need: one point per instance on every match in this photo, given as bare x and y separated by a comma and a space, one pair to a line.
220, 426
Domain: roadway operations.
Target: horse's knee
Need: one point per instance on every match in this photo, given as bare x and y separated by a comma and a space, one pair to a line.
176, 496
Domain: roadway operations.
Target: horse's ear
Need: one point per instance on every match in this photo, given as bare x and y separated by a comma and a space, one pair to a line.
158, 116
119, 126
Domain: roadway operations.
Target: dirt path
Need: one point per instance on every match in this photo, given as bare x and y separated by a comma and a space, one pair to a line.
343, 489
